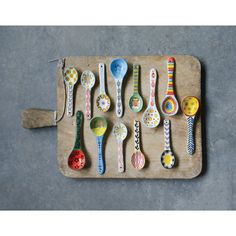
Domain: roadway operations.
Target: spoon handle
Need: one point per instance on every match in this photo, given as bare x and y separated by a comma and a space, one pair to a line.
102, 77
135, 77
167, 134
136, 135
119, 106
170, 71
79, 117
153, 78
120, 157
69, 100
190, 138
88, 104
100, 161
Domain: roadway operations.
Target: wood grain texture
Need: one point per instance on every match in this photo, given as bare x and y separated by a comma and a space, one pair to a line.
37, 118
187, 82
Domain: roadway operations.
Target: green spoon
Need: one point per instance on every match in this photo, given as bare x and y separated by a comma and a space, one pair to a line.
135, 101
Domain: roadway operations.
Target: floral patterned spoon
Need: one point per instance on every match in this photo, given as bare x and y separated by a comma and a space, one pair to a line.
76, 160
170, 104
88, 81
70, 78
103, 101
120, 132
137, 159
151, 116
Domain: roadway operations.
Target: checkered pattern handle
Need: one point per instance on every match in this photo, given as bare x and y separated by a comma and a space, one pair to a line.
69, 100
88, 105
190, 138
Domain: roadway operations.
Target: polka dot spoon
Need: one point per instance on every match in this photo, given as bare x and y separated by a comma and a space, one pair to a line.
151, 116
170, 104
76, 160
70, 79
103, 101
137, 159
190, 106
118, 69
167, 157
98, 125
88, 81
120, 132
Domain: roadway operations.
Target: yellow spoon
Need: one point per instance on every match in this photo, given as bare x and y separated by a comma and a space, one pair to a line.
190, 106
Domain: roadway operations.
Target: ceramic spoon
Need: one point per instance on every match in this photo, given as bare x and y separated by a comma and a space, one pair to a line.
118, 69
120, 132
170, 104
167, 157
137, 159
88, 81
103, 101
98, 125
151, 116
76, 160
135, 101
190, 106
70, 78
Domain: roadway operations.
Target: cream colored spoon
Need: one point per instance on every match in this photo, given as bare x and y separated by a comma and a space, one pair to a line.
151, 116
120, 132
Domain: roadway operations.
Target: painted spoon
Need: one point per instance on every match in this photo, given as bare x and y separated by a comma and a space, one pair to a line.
118, 69
98, 125
135, 101
137, 159
170, 104
70, 78
120, 132
167, 157
76, 160
103, 101
151, 116
88, 81
190, 106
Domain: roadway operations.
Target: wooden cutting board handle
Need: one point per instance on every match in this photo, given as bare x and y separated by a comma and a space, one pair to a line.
37, 118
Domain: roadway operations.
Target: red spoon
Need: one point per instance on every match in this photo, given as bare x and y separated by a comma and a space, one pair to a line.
76, 160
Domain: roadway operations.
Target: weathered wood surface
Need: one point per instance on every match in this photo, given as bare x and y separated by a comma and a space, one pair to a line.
187, 82
37, 118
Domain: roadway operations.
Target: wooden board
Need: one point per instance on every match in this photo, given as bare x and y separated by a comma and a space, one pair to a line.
187, 82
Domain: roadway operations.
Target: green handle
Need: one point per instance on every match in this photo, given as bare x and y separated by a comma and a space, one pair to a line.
79, 117
135, 77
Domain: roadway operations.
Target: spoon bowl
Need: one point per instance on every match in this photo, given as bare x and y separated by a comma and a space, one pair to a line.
167, 159
138, 160
190, 105
136, 103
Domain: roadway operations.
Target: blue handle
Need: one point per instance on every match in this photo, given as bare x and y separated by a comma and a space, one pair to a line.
190, 138
100, 161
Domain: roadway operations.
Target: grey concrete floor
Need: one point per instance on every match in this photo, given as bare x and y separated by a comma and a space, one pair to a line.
29, 178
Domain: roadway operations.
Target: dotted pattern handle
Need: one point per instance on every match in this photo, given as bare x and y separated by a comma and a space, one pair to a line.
136, 135
102, 77
153, 78
88, 105
79, 118
69, 100
135, 77
190, 138
100, 160
119, 106
170, 71
167, 134
120, 157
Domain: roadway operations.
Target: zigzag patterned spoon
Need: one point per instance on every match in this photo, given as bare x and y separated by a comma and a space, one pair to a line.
190, 106
137, 159
167, 157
